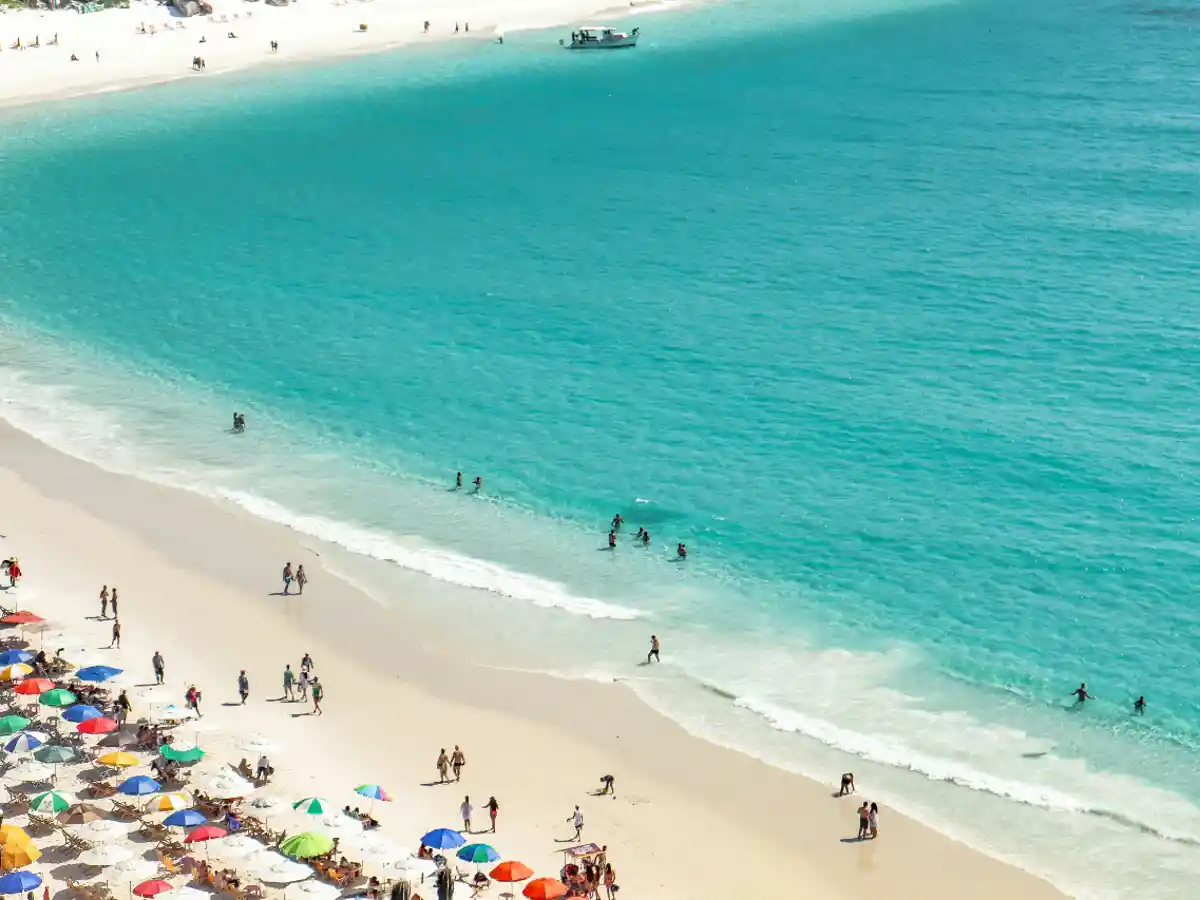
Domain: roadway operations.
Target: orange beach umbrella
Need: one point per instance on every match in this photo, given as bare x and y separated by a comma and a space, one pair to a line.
544, 889
512, 870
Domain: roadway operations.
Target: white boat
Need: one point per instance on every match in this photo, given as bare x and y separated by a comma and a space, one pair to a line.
601, 37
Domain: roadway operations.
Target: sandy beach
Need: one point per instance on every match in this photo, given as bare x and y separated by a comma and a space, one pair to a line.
118, 49
199, 583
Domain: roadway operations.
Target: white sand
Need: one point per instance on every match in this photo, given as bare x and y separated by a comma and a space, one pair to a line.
308, 29
691, 820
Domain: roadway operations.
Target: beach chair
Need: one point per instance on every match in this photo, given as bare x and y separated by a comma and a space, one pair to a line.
126, 811
170, 847
75, 843
152, 831
42, 824
101, 789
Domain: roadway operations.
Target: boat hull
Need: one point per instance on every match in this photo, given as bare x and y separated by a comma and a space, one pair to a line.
622, 44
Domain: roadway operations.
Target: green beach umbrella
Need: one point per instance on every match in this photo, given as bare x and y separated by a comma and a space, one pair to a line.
314, 806
189, 755
50, 802
57, 697
302, 846
55, 755
13, 724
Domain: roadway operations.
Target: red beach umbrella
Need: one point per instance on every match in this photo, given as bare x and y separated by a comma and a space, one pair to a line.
544, 889
204, 833
512, 870
100, 725
152, 888
22, 618
34, 686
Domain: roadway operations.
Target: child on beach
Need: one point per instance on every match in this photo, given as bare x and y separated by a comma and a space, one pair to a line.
864, 820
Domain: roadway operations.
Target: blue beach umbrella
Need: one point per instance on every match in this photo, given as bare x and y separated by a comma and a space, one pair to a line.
19, 882
478, 853
23, 742
98, 673
11, 657
186, 818
81, 712
443, 839
138, 785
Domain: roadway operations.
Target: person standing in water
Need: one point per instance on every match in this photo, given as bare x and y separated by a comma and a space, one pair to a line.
681, 551
645, 538
1139, 706
654, 648
612, 540
1081, 695
478, 483
617, 522
458, 482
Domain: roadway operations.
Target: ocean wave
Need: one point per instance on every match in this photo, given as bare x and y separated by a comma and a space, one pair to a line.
889, 751
435, 562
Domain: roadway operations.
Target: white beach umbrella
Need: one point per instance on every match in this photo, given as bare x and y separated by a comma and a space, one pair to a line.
102, 831
338, 825
238, 846
257, 744
267, 803
29, 770
380, 849
106, 855
311, 890
226, 786
190, 893
418, 869
276, 869
163, 711
134, 870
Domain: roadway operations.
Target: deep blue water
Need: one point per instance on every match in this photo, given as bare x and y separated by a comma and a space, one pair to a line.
890, 316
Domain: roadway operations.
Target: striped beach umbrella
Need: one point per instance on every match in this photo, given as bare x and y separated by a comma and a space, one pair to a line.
9, 657
13, 671
314, 806
171, 802
51, 802
23, 742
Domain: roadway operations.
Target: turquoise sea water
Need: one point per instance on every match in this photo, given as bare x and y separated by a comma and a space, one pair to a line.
887, 311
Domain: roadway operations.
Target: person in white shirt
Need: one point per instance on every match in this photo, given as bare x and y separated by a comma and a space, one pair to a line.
576, 819
467, 809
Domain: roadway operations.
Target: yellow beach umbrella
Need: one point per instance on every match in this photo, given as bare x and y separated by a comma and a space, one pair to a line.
10, 834
118, 758
15, 671
169, 802
17, 855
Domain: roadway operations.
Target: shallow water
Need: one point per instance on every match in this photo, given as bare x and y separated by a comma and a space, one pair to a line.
886, 311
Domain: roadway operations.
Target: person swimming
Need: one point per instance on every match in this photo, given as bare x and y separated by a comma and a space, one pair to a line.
1139, 706
239, 422
1081, 694
681, 551
645, 538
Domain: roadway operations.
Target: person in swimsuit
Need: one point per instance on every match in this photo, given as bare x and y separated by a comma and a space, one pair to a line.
116, 634
654, 648
864, 820
1139, 706
873, 821
287, 577
609, 785
617, 522
681, 551
493, 809
443, 763
612, 540
160, 667
645, 538
478, 482
847, 784
457, 761
1081, 695
301, 577
114, 603
104, 602
243, 686
458, 481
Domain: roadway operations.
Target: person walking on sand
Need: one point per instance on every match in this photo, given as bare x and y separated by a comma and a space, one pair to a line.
493, 809
318, 694
123, 707
457, 761
306, 663
116, 635
243, 686
873, 821
610, 881
116, 613
303, 684
466, 810
104, 602
287, 577
864, 820
301, 577
443, 763
192, 699
160, 668
654, 648
576, 819
288, 681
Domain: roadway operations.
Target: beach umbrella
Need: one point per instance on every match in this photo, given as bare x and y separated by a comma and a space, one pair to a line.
443, 839
339, 826
170, 712
118, 758
29, 770
138, 785
478, 853
14, 834
374, 847
34, 686
19, 882
266, 802
314, 806
153, 888
9, 657
56, 754
136, 869
185, 818
97, 673
57, 697
274, 869
544, 889
14, 671
23, 742
302, 846
169, 802
204, 833
238, 846
50, 802
18, 855
373, 792
183, 755
80, 814
226, 786
512, 870
13, 724
22, 618
82, 713
258, 745
103, 830
100, 725
105, 855
311, 890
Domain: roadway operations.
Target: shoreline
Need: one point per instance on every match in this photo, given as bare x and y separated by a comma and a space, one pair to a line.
311, 34
556, 736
